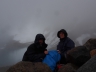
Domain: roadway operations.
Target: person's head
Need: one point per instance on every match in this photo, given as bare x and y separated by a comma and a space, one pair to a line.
62, 34
39, 39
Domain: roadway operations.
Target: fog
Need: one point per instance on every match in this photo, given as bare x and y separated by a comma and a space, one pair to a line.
21, 20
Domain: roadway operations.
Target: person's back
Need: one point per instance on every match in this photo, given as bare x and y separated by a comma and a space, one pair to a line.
36, 51
64, 45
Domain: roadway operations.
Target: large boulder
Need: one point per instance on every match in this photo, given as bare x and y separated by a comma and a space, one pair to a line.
68, 68
29, 67
89, 66
78, 55
90, 44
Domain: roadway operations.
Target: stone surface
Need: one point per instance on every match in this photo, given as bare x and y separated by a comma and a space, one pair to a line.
29, 67
89, 66
68, 68
90, 44
78, 55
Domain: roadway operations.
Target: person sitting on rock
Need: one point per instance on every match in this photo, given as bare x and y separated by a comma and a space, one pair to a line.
64, 45
37, 51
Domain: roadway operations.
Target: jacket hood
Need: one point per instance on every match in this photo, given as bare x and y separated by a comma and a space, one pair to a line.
38, 37
64, 31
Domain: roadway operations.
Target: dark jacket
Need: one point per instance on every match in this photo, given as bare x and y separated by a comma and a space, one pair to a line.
35, 52
65, 44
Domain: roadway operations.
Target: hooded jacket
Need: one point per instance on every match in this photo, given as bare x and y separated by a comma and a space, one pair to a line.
35, 52
65, 44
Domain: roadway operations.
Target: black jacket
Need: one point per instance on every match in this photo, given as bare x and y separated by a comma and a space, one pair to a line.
35, 52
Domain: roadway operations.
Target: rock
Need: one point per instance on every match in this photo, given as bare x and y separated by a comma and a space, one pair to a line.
93, 52
90, 44
89, 66
68, 68
78, 55
29, 67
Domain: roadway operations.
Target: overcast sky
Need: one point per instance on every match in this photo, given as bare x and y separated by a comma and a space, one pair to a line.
21, 20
